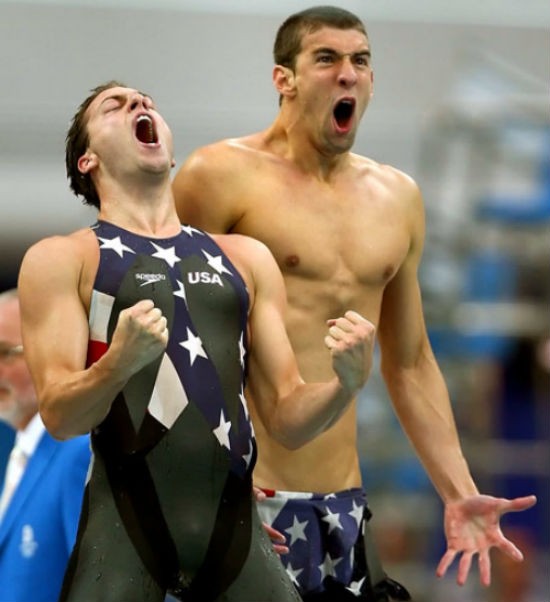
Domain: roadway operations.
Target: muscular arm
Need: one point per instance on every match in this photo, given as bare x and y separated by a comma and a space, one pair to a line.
412, 376
421, 401
74, 399
292, 411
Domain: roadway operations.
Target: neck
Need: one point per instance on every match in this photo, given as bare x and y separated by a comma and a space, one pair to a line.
288, 138
147, 210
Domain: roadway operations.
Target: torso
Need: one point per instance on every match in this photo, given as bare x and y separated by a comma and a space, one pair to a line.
338, 243
170, 412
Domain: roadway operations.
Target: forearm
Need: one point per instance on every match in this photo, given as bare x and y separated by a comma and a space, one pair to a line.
422, 404
76, 402
309, 410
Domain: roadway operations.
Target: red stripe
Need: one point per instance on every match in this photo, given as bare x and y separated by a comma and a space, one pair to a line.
95, 350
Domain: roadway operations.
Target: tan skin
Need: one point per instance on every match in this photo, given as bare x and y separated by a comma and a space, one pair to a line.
57, 275
346, 232
18, 403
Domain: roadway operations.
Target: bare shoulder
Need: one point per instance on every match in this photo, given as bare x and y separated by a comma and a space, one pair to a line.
58, 259
211, 187
386, 174
55, 249
220, 158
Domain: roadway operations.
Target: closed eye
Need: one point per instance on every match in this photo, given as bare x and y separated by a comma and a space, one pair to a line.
111, 104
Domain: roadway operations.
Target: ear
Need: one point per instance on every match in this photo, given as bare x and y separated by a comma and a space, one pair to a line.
284, 80
371, 84
87, 162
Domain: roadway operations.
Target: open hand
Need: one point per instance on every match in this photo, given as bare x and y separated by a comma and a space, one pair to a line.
472, 526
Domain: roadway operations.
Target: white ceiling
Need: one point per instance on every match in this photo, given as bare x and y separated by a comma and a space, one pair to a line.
520, 13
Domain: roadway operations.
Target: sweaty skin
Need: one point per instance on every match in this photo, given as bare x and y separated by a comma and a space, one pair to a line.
107, 356
346, 231
358, 243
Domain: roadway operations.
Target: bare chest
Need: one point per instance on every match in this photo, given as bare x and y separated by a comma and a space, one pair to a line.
346, 238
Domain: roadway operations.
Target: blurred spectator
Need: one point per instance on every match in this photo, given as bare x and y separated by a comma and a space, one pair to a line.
44, 482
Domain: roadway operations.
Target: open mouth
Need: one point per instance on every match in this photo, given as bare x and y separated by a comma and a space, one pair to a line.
343, 112
145, 130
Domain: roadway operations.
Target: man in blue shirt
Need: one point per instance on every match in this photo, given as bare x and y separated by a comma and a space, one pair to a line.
44, 482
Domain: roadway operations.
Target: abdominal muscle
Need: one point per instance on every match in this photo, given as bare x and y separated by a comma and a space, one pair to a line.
329, 462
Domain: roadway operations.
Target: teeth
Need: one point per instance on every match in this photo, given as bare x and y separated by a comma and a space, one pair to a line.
145, 130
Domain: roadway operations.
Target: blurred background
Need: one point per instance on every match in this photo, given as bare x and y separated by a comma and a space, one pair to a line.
461, 103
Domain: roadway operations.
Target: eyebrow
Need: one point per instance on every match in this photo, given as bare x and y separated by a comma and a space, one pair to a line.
366, 52
122, 97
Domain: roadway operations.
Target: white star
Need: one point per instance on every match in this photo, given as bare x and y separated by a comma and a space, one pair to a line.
216, 263
222, 431
328, 565
189, 230
115, 244
193, 344
297, 531
247, 457
169, 255
355, 586
242, 350
357, 513
181, 291
333, 520
293, 573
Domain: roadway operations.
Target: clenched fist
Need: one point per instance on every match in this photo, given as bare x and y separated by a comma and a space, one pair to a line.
141, 335
351, 342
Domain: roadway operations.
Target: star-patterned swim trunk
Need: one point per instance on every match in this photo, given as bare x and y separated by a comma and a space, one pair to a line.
322, 531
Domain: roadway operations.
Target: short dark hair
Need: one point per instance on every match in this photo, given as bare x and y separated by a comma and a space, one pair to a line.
288, 41
76, 143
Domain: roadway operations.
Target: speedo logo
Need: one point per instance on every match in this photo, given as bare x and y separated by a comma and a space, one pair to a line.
149, 278
204, 278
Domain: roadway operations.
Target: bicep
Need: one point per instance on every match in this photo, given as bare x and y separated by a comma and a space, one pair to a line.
54, 320
401, 330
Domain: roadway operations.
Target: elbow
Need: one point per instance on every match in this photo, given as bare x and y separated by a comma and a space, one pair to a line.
286, 436
291, 444
291, 438
54, 423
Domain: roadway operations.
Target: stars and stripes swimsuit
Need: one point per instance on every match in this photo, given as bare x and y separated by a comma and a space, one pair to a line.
331, 555
168, 505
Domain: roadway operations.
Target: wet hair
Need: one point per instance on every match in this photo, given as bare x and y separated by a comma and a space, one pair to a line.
288, 41
76, 143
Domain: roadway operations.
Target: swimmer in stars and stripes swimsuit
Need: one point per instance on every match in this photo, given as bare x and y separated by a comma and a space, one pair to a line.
168, 506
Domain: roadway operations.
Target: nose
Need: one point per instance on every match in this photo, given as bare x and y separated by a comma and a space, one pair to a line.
347, 75
137, 101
